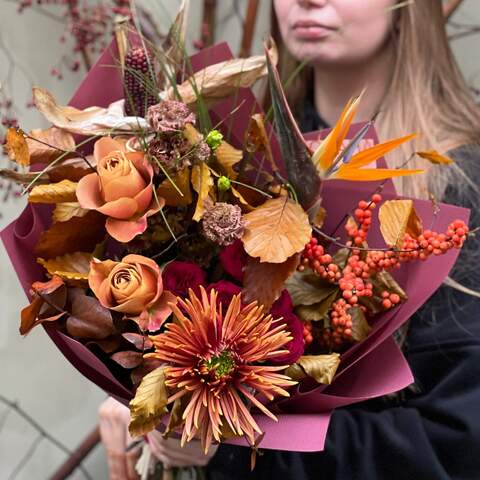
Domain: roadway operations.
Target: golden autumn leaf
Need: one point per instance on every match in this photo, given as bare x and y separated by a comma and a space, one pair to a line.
176, 420
221, 80
202, 182
72, 268
66, 210
16, 146
264, 282
434, 157
42, 153
257, 140
149, 404
373, 174
398, 217
171, 195
60, 192
65, 237
276, 230
321, 368
192, 135
227, 156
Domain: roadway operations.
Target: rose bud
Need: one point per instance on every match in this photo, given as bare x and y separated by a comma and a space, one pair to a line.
121, 189
133, 287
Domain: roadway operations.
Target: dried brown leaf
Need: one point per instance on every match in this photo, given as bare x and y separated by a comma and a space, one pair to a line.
91, 121
265, 282
256, 139
221, 80
202, 182
276, 230
141, 342
176, 420
398, 217
23, 178
72, 268
227, 157
16, 146
48, 304
55, 137
66, 210
88, 319
128, 359
149, 404
60, 192
171, 195
64, 237
321, 368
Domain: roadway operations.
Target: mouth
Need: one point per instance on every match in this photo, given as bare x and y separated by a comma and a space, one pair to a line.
311, 30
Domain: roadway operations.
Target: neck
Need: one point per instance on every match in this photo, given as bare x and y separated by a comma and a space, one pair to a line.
335, 85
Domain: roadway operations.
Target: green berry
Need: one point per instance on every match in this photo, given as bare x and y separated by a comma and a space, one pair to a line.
214, 139
223, 184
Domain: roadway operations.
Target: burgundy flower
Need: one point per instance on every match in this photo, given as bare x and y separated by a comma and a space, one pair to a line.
283, 307
178, 277
233, 259
225, 292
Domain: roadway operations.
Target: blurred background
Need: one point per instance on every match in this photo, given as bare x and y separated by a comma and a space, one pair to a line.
44, 43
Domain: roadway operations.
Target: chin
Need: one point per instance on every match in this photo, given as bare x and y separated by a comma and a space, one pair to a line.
316, 52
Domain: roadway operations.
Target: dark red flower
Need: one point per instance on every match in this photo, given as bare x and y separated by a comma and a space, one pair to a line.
233, 259
178, 277
225, 292
283, 307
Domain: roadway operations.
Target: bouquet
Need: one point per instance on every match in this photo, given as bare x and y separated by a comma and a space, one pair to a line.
231, 281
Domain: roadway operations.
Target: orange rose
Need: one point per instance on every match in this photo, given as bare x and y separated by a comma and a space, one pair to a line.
133, 287
121, 189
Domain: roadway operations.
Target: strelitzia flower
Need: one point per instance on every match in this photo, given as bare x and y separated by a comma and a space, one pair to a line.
333, 163
219, 363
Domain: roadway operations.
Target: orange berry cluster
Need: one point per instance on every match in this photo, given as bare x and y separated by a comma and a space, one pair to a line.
363, 215
315, 257
307, 333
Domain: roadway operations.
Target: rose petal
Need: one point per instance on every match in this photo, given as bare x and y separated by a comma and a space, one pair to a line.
133, 306
104, 146
98, 273
161, 311
121, 209
88, 192
144, 198
125, 186
126, 230
141, 164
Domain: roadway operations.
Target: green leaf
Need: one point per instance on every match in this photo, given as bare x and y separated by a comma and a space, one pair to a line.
306, 288
360, 326
149, 404
321, 368
317, 311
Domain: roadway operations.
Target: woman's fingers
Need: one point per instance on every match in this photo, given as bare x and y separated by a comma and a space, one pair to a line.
113, 419
171, 454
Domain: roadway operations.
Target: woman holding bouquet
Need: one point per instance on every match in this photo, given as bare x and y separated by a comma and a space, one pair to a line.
400, 53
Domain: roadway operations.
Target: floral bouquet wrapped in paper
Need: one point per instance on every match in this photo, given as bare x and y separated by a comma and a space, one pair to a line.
231, 281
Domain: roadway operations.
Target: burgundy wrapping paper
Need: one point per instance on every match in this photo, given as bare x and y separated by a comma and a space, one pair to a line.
304, 417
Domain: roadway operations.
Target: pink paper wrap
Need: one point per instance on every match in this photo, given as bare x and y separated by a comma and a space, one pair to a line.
303, 418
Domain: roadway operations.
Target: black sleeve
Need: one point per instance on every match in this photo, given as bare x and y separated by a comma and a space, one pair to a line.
433, 431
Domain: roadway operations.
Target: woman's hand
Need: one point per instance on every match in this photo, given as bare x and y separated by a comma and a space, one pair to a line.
171, 454
114, 419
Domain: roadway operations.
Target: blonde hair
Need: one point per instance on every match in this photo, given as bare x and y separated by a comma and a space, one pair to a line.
427, 95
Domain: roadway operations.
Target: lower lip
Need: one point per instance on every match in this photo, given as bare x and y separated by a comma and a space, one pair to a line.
311, 33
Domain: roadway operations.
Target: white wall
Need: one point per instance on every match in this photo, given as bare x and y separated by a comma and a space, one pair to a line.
31, 369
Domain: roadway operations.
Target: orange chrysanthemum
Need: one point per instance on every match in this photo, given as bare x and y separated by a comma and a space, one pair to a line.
216, 360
